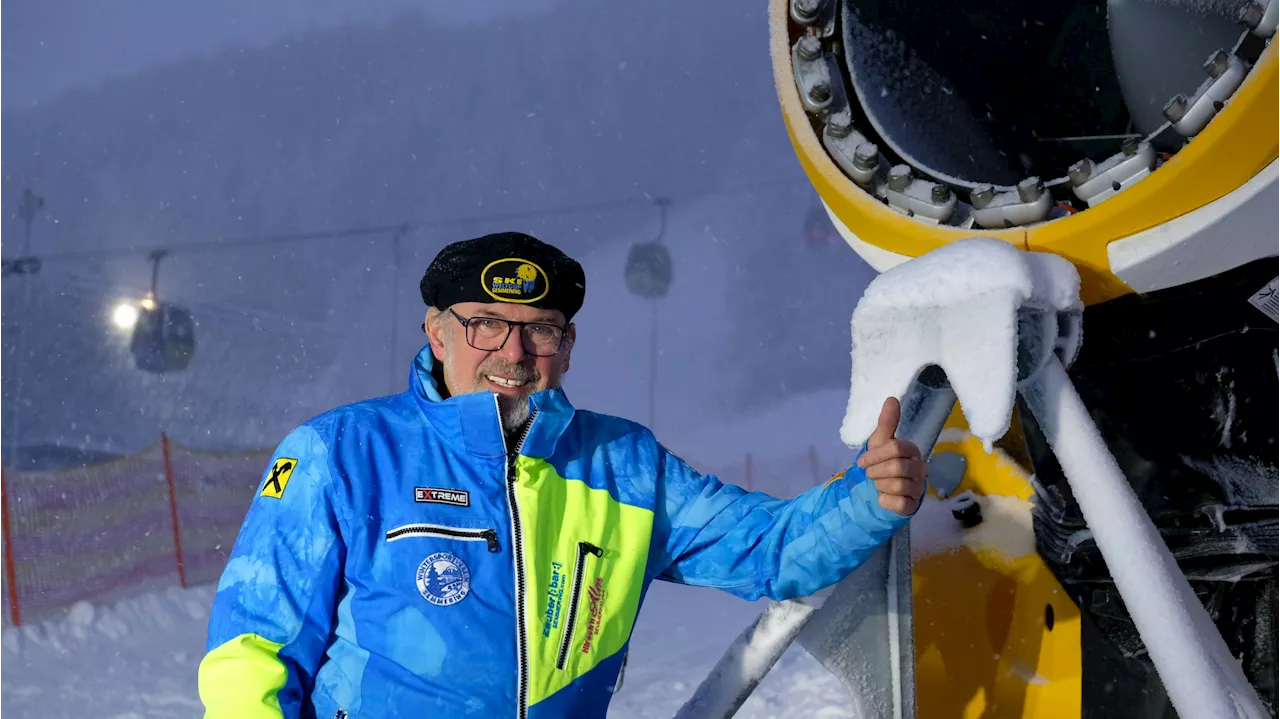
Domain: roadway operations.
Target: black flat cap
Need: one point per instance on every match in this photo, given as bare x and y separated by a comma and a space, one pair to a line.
505, 267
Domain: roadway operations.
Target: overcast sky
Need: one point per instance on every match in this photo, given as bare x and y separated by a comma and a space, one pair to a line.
53, 45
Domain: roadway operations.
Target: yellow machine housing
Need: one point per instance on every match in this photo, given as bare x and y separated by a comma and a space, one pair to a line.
996, 635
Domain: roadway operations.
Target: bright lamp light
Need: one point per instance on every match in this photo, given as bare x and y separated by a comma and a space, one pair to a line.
125, 315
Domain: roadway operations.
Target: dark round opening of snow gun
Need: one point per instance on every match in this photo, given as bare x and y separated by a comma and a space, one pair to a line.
993, 93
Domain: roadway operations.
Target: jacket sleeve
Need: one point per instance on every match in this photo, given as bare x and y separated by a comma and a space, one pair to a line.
751, 544
273, 611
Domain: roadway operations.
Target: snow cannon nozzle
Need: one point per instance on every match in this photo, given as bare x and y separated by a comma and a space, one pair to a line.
977, 317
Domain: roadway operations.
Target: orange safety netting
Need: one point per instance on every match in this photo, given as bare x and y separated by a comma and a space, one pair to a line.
165, 514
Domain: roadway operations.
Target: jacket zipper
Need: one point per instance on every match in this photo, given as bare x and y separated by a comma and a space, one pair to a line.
579, 569
517, 541
435, 530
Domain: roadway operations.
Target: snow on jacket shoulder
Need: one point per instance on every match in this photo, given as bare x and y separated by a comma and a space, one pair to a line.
399, 560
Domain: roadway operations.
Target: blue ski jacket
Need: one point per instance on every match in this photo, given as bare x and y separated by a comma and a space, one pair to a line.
400, 559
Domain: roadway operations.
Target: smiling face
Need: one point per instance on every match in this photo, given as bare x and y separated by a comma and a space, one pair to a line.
510, 371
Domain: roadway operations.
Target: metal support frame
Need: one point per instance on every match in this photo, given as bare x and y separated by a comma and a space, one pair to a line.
875, 598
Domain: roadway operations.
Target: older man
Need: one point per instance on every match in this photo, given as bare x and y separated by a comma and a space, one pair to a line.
476, 546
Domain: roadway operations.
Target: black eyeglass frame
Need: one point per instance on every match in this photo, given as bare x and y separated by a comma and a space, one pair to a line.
511, 324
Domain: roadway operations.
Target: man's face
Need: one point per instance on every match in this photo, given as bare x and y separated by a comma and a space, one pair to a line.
511, 370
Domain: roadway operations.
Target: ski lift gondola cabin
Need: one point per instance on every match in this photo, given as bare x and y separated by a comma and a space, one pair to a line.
164, 338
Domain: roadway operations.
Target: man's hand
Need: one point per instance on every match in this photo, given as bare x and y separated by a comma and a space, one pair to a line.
894, 464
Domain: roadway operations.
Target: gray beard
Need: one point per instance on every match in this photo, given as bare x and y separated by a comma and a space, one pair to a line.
514, 412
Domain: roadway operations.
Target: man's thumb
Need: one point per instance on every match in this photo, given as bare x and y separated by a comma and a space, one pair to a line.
890, 413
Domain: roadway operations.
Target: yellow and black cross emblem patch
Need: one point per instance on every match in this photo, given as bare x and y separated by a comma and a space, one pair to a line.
278, 479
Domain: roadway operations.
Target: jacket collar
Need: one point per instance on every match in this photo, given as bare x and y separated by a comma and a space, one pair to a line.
470, 422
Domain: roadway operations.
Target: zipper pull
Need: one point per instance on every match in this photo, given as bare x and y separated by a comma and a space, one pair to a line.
589, 548
491, 537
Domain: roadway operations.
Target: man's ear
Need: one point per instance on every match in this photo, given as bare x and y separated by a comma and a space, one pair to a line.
570, 337
435, 333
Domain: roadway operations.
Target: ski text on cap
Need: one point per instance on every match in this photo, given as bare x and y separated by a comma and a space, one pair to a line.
514, 280
433, 495
278, 478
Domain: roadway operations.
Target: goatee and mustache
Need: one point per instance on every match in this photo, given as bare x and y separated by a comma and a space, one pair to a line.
514, 409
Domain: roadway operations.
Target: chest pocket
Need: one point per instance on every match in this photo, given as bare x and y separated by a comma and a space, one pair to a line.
436, 559
584, 556
463, 534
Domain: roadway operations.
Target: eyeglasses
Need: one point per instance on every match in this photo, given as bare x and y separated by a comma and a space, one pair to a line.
490, 334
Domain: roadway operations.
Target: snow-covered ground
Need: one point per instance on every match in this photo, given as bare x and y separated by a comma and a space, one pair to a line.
137, 658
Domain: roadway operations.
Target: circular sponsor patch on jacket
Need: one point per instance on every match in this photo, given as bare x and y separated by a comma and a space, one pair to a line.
443, 579
514, 280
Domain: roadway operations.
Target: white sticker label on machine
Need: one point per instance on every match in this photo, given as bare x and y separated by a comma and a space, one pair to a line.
1266, 300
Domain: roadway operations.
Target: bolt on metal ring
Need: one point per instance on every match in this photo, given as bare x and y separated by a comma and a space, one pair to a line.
1030, 189
982, 195
866, 156
1217, 64
807, 9
1251, 15
1080, 172
899, 178
1176, 108
809, 48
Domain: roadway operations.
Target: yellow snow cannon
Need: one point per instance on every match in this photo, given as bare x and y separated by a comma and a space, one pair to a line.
1137, 139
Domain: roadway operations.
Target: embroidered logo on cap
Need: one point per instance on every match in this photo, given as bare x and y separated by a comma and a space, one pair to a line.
514, 280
